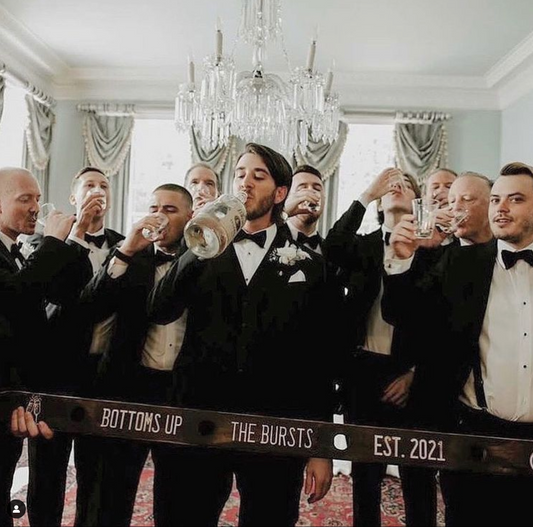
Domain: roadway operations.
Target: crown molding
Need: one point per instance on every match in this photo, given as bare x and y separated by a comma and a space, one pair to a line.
23, 47
25, 54
510, 62
516, 86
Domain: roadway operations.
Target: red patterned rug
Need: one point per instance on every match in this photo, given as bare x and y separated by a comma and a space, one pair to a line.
334, 510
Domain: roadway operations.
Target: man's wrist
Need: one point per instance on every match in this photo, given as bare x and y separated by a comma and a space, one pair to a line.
122, 256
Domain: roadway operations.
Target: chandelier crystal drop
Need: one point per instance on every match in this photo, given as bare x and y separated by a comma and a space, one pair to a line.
254, 105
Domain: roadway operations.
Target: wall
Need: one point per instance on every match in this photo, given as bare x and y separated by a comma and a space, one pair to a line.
517, 131
474, 141
66, 153
473, 137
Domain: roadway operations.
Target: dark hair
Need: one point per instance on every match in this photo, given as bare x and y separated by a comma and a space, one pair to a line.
279, 169
83, 171
416, 190
172, 187
202, 164
516, 169
307, 169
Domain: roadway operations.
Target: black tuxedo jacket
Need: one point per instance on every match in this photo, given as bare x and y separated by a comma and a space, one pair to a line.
126, 297
72, 330
250, 348
449, 301
360, 259
51, 273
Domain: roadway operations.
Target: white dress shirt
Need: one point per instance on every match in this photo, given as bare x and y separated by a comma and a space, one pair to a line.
506, 343
163, 342
250, 255
97, 256
378, 332
294, 233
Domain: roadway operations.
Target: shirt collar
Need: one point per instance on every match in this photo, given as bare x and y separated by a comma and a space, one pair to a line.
101, 232
464, 242
295, 231
504, 246
7, 241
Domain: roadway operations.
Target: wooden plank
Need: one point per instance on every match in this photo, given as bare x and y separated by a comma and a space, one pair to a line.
273, 435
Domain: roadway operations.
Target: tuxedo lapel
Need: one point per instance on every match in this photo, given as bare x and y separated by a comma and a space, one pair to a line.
9, 261
473, 272
229, 266
267, 270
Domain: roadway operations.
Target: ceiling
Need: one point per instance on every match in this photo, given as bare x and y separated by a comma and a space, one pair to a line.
447, 53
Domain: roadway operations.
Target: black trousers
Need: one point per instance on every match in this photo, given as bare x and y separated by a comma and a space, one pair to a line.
124, 460
198, 482
48, 460
48, 464
370, 374
488, 499
10, 452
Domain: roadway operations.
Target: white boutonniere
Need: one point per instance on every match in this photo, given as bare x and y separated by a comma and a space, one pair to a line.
289, 255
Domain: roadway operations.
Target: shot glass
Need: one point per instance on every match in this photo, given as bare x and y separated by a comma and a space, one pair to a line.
151, 233
424, 212
44, 212
99, 192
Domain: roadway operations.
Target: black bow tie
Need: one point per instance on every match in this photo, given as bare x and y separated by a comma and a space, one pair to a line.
387, 238
510, 258
17, 255
163, 258
259, 237
96, 240
312, 241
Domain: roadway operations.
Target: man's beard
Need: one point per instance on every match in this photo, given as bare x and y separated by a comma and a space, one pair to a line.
262, 208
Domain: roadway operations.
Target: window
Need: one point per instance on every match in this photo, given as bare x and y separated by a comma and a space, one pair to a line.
160, 154
12, 126
368, 150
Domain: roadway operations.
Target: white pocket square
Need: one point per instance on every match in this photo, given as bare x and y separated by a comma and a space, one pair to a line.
297, 277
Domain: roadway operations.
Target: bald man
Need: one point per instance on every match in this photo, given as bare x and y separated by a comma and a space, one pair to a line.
25, 285
470, 192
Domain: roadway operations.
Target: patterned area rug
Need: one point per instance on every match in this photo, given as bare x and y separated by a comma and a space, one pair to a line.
334, 510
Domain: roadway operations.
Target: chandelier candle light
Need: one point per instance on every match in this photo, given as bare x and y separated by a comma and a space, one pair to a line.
254, 105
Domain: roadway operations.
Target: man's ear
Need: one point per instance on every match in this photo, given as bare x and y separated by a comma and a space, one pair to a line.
281, 194
72, 200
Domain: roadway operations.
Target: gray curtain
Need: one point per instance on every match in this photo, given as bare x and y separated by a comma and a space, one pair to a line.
2, 88
326, 158
221, 158
38, 135
421, 143
108, 146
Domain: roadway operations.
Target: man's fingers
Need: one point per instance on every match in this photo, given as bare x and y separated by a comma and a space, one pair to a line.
308, 481
31, 425
17, 419
45, 430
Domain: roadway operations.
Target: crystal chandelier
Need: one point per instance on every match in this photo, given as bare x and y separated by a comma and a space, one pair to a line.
254, 105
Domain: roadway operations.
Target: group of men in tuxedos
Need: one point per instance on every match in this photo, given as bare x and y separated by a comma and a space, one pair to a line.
238, 333
228, 334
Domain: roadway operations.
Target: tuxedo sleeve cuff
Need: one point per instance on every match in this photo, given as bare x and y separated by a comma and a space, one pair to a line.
394, 266
116, 268
79, 241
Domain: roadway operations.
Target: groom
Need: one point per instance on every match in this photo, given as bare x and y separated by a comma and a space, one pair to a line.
249, 349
